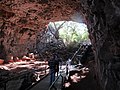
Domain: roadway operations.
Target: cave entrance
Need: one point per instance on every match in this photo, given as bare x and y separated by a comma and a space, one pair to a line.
60, 35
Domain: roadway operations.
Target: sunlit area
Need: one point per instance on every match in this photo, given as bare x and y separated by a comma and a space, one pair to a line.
72, 33
61, 37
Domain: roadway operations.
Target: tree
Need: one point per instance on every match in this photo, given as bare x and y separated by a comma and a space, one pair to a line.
71, 32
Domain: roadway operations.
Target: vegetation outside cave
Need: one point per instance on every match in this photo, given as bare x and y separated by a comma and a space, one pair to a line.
63, 37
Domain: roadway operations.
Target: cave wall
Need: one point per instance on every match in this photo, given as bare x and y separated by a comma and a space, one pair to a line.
103, 21
22, 20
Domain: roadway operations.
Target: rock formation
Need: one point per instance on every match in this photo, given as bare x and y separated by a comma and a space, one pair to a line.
104, 27
21, 20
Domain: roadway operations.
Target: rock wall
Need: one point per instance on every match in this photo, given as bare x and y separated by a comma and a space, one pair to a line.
103, 20
22, 20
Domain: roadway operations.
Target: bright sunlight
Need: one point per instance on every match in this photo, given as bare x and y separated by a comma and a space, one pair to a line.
71, 32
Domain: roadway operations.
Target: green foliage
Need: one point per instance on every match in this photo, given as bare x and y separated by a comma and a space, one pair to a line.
72, 32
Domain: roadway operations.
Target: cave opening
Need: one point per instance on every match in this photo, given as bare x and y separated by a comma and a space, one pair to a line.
59, 35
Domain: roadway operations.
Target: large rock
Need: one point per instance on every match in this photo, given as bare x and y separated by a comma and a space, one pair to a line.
103, 20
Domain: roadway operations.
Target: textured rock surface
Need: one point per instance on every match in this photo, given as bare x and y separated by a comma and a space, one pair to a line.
21, 20
103, 20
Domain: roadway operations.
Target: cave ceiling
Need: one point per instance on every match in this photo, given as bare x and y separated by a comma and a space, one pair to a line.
21, 20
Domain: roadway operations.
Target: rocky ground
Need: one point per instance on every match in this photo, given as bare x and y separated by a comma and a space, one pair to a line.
87, 81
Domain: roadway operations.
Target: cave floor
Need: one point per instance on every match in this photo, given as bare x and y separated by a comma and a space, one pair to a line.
87, 83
